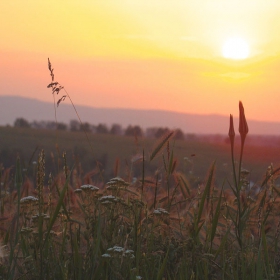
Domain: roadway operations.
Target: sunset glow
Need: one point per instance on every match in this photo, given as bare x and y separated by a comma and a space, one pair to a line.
163, 55
236, 48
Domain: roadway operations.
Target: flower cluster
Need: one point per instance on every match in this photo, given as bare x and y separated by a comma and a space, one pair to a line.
89, 188
28, 199
119, 251
108, 199
160, 211
116, 183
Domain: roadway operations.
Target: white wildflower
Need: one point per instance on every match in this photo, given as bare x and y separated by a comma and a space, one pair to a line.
107, 256
78, 191
28, 199
90, 188
107, 197
160, 211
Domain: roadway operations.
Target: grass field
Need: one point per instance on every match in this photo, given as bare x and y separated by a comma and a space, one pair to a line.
74, 210
194, 157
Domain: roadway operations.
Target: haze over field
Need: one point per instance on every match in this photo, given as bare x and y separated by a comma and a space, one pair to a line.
195, 57
32, 109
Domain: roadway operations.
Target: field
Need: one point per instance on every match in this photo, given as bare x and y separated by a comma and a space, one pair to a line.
78, 209
194, 155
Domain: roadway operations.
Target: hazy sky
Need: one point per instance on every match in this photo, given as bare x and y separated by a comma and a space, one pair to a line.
145, 54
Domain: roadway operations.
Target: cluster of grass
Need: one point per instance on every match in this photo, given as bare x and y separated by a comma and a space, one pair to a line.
193, 157
150, 227
59, 225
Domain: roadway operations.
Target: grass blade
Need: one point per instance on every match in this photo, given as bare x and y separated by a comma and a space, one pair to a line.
160, 145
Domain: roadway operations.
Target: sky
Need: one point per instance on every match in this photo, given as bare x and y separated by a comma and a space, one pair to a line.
145, 54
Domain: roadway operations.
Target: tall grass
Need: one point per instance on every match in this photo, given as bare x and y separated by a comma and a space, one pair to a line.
151, 227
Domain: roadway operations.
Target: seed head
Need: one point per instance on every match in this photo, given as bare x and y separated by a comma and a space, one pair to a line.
231, 132
243, 127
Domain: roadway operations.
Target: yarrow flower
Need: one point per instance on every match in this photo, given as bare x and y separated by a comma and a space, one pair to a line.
160, 211
107, 199
121, 251
28, 199
106, 256
89, 188
115, 183
78, 191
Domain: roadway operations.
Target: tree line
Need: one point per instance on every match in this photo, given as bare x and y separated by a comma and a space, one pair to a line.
115, 129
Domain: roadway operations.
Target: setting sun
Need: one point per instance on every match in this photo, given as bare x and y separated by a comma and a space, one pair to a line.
235, 48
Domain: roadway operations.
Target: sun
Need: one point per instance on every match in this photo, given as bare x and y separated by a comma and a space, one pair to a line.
235, 48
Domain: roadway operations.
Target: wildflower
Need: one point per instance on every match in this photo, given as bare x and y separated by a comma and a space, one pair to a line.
90, 188
107, 199
28, 199
116, 182
160, 211
78, 191
106, 256
122, 252
116, 249
129, 251
35, 217
26, 230
245, 172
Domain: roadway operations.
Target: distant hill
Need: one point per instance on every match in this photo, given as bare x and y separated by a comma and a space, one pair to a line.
12, 107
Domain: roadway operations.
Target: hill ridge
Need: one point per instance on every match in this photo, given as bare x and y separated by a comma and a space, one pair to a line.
34, 109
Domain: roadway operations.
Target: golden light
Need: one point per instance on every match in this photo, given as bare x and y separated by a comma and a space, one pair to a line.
236, 48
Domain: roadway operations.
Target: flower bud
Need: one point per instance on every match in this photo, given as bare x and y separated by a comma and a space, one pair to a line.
231, 132
243, 127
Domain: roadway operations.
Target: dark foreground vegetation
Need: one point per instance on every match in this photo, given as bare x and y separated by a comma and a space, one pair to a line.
136, 208
95, 206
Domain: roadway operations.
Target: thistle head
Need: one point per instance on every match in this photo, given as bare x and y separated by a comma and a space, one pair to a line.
243, 127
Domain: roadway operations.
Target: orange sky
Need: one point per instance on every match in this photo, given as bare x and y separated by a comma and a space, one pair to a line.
146, 54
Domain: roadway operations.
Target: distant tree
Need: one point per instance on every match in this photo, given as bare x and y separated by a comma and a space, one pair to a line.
102, 128
85, 127
116, 129
162, 131
21, 122
51, 125
61, 126
151, 131
134, 131
179, 135
74, 125
37, 124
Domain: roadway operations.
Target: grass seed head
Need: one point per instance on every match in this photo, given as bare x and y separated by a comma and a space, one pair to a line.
243, 127
231, 132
